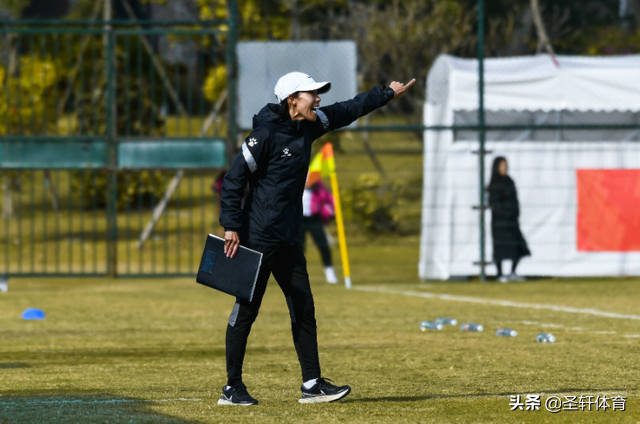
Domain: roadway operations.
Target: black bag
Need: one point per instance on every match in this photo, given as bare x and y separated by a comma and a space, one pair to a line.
236, 276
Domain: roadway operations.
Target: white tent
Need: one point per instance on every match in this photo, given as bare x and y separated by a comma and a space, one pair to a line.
543, 164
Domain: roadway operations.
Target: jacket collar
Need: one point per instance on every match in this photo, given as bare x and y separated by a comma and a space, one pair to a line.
269, 115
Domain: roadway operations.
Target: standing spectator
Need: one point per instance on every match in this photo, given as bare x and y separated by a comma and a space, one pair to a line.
508, 241
317, 211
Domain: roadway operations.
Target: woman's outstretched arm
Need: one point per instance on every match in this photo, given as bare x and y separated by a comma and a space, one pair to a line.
341, 114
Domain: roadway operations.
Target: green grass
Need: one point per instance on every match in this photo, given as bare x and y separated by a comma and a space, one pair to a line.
124, 351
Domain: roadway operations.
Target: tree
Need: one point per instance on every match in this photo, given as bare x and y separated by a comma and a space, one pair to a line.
14, 7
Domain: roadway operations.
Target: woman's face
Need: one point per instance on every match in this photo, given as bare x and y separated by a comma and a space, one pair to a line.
303, 106
503, 168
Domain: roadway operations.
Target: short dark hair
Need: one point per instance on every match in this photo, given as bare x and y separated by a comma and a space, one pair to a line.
283, 110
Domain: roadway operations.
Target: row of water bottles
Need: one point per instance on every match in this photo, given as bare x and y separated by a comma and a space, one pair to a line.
439, 324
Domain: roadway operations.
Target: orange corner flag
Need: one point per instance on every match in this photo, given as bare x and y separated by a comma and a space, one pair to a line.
322, 165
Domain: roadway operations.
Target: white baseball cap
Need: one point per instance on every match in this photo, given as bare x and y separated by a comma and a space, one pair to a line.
298, 81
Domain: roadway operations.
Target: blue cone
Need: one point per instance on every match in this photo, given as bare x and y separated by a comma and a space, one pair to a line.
33, 313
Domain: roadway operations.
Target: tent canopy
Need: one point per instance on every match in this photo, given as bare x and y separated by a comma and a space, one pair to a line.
536, 83
544, 163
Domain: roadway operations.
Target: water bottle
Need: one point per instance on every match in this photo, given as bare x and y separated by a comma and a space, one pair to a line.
545, 338
447, 321
506, 332
471, 327
430, 325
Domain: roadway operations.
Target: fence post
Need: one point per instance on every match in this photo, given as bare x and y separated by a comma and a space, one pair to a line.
481, 133
232, 78
112, 163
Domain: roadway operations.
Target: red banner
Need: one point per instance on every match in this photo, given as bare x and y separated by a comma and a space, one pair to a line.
608, 210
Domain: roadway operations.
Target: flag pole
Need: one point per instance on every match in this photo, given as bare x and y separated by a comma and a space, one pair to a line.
341, 237
321, 166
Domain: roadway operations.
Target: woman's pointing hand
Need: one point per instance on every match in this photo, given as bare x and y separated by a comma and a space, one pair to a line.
400, 88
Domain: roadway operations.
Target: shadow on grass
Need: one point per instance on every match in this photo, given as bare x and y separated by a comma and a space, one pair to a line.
79, 357
550, 392
85, 409
84, 356
10, 365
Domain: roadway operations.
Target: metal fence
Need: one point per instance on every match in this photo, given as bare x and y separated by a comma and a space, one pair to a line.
113, 134
100, 121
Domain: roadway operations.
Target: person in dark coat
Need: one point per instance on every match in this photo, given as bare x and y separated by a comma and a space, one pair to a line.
508, 241
274, 162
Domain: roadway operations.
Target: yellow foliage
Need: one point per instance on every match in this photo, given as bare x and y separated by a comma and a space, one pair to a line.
25, 96
373, 203
212, 9
215, 82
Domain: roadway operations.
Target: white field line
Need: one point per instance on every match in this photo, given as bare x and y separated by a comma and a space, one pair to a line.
479, 300
573, 328
92, 402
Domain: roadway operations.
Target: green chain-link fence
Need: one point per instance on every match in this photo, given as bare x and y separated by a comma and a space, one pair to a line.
113, 134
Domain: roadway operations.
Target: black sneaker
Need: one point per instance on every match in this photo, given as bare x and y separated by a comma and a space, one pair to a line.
236, 395
323, 391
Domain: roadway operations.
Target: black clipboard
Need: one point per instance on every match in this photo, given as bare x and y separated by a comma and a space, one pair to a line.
236, 276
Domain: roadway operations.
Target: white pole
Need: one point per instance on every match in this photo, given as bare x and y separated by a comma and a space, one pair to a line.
157, 213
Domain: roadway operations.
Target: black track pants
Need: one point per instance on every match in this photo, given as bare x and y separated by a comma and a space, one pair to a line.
314, 225
289, 267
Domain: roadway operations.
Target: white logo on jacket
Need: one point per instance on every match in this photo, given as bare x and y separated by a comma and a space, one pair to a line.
285, 153
252, 142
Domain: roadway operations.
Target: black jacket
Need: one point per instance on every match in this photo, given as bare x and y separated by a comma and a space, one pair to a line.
503, 200
274, 160
508, 241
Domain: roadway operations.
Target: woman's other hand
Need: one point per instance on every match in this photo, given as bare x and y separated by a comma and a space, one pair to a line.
231, 243
400, 88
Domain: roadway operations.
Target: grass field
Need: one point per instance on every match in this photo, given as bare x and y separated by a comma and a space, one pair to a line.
152, 351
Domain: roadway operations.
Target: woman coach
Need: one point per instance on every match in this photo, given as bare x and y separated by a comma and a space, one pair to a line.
274, 161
